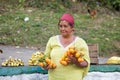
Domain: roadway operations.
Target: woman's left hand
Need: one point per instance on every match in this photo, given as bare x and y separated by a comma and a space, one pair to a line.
74, 60
83, 64
46, 67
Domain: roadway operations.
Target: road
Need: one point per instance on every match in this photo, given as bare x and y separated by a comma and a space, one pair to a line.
23, 53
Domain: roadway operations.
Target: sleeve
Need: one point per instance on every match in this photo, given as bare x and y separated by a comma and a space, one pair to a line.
48, 48
87, 58
82, 45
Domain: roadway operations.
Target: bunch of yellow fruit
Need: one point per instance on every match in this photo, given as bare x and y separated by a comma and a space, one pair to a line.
34, 60
41, 60
72, 51
13, 62
113, 60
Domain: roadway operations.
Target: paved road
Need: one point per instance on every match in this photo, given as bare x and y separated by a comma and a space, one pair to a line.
16, 52
24, 53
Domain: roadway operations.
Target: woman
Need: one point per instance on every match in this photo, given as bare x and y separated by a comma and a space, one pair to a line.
56, 47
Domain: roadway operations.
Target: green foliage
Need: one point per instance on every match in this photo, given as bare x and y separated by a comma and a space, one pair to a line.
112, 4
57, 5
21, 3
116, 4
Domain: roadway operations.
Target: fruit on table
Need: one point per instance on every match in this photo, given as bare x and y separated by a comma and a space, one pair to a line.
114, 60
72, 51
13, 62
34, 60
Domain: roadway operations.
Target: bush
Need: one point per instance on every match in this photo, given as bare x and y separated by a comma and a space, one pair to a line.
114, 4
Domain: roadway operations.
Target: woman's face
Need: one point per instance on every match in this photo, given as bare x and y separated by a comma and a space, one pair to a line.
65, 28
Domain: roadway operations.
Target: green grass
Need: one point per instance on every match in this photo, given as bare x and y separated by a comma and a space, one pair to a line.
14, 30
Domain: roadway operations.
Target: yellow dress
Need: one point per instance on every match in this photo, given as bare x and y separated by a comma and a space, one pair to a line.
55, 50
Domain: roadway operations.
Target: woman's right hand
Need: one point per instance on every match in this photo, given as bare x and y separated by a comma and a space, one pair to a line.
72, 59
47, 67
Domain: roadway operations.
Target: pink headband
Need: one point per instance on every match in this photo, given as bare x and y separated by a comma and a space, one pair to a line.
68, 17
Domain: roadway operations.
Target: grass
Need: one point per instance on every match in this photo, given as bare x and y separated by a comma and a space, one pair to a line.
42, 24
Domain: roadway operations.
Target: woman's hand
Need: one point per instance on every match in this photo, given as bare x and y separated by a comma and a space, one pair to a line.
83, 64
74, 60
46, 67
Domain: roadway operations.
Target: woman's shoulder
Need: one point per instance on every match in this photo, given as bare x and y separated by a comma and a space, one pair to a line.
79, 38
53, 37
81, 42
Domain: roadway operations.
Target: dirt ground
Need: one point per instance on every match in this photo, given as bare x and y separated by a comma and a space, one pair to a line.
25, 53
